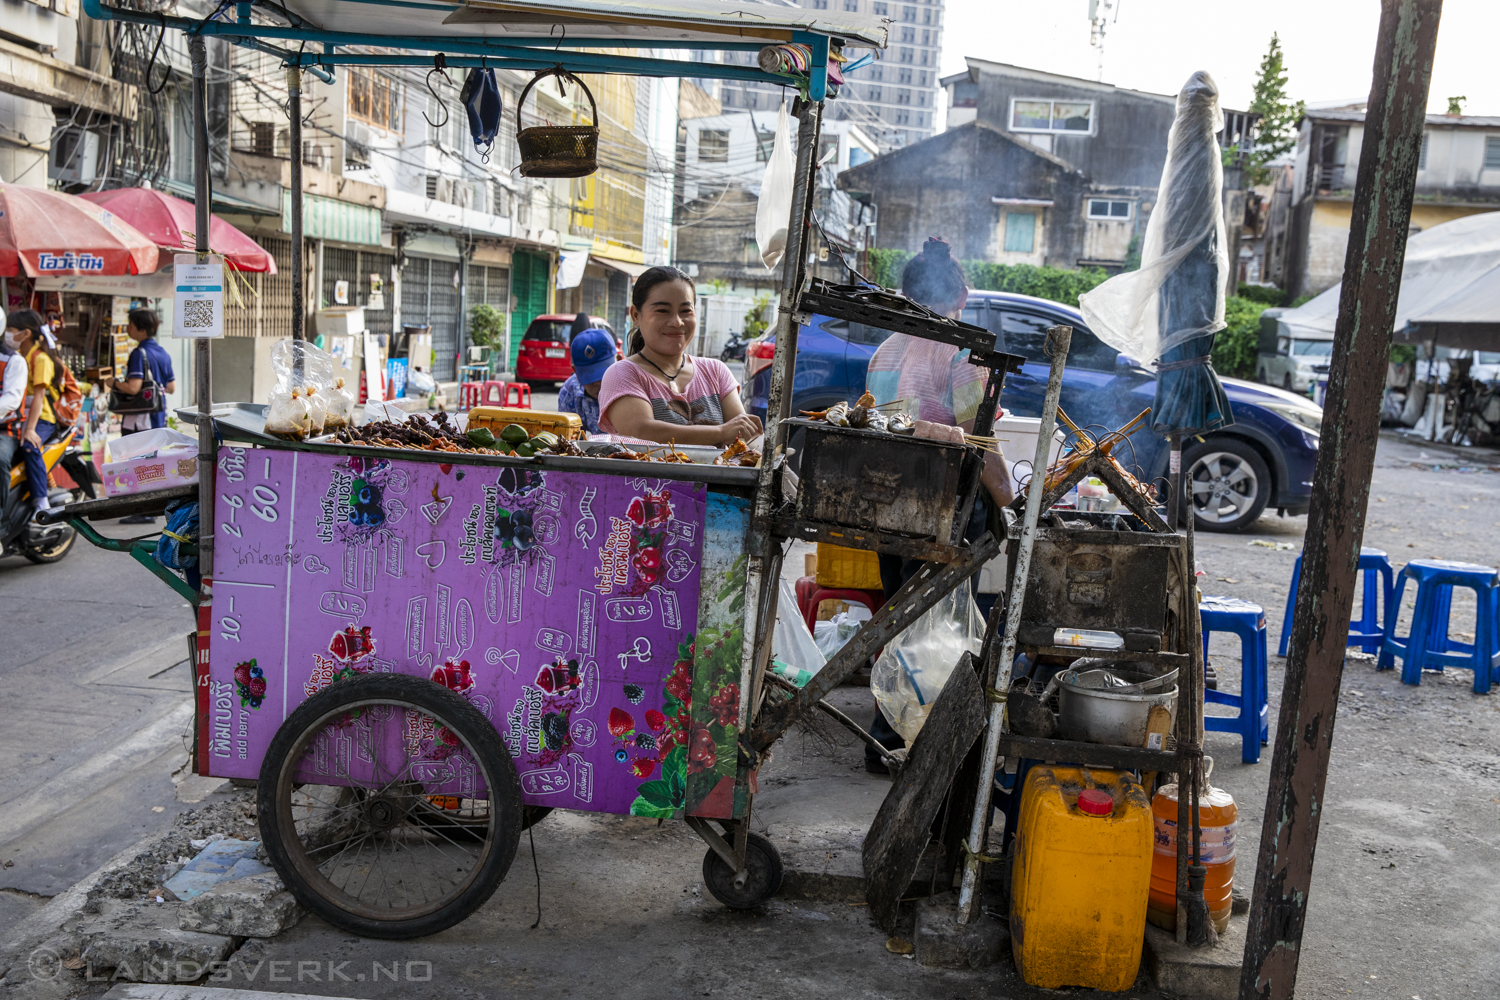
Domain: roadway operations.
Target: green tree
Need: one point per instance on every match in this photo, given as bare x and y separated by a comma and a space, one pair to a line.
1277, 130
755, 317
486, 326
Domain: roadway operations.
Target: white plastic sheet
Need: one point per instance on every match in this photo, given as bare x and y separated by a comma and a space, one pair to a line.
1124, 311
774, 208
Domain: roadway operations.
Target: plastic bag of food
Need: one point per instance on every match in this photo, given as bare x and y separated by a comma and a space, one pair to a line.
910, 672
340, 402
317, 411
289, 417
299, 364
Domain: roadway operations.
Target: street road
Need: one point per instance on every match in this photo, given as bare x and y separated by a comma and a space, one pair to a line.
95, 686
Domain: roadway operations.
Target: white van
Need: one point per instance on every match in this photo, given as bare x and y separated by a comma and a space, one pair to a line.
1287, 360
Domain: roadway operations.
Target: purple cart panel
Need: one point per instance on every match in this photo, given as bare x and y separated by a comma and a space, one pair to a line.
556, 602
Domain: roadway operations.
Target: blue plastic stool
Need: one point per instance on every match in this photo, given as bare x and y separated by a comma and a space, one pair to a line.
1427, 646
1368, 633
1248, 621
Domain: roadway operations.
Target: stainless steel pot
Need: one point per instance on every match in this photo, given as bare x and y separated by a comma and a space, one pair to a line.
1113, 716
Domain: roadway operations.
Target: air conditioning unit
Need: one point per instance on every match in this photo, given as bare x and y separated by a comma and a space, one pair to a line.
356, 144
75, 156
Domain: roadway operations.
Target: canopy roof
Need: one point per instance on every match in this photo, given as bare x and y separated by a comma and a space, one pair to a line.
51, 233
1450, 290
170, 222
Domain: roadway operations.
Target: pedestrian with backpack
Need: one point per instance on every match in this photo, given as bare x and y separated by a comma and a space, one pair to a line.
140, 398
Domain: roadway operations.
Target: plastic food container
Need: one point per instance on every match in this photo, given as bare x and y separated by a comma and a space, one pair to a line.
496, 418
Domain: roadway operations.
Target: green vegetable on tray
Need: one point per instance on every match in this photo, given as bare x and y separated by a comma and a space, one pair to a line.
482, 437
514, 434
525, 450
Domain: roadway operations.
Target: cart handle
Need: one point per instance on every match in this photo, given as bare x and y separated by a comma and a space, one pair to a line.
143, 550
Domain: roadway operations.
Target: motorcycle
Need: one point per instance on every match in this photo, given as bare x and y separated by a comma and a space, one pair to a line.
19, 532
734, 350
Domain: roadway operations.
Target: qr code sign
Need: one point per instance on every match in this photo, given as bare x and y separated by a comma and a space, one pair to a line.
198, 314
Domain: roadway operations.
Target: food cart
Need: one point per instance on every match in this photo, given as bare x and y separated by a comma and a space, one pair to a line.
598, 628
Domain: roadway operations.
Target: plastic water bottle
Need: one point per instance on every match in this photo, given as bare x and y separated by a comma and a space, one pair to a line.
1216, 821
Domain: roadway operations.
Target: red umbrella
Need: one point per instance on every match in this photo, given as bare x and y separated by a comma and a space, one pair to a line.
171, 222
49, 233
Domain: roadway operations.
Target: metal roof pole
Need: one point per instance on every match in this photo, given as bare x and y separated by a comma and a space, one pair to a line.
299, 264
1341, 489
764, 565
202, 363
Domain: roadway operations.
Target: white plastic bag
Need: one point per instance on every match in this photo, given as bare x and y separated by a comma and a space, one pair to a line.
791, 642
910, 672
317, 411
148, 444
832, 634
774, 208
298, 363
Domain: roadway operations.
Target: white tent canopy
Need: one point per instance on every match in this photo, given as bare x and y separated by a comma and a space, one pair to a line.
1450, 290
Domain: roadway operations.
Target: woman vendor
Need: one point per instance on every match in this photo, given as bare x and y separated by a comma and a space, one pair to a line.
947, 391
659, 393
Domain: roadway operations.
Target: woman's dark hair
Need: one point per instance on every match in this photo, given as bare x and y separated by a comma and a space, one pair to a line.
581, 322
145, 320
934, 278
31, 321
649, 279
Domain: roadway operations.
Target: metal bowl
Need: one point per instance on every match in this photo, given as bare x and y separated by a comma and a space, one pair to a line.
1101, 715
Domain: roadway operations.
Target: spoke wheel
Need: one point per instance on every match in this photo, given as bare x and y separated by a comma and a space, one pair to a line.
389, 806
763, 878
1229, 485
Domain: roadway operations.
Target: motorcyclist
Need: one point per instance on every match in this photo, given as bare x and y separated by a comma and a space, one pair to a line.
13, 381
25, 334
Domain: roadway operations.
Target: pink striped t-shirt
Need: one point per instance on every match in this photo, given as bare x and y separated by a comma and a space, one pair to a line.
700, 404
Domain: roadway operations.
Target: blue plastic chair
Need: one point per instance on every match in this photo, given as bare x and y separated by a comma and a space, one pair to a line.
1369, 631
1248, 621
1427, 646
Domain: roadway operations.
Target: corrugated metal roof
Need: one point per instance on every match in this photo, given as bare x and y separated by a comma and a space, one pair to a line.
1460, 121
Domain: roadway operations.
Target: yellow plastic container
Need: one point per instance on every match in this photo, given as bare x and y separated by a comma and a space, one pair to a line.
847, 569
1217, 815
564, 425
1081, 877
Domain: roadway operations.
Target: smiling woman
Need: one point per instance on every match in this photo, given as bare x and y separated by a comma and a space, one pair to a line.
661, 393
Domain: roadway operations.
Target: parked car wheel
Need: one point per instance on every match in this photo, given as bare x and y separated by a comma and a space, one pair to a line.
1229, 483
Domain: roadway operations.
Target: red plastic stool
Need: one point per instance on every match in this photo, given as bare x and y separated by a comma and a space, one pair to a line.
810, 595
469, 395
517, 395
492, 393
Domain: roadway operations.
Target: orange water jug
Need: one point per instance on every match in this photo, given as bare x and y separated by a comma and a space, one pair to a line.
1216, 821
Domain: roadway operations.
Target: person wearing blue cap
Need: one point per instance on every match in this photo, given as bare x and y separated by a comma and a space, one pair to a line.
593, 352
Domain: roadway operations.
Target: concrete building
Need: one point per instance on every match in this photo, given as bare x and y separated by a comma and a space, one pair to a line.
1458, 174
893, 99
1035, 168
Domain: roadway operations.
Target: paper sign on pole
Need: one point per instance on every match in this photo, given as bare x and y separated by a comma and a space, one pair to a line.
119, 310
198, 308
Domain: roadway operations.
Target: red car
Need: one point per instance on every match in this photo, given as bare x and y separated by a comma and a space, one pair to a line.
544, 353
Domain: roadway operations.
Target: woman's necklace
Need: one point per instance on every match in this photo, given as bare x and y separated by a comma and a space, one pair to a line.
672, 378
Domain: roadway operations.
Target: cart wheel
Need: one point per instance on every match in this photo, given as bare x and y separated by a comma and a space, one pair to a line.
378, 837
763, 862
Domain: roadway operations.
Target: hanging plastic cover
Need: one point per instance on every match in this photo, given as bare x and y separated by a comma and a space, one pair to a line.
1185, 233
775, 205
481, 100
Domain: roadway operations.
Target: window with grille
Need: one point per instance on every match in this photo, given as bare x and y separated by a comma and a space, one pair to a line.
881, 10
499, 199
1422, 157
713, 145
375, 98
432, 187
905, 55
908, 34
1492, 152
851, 5
908, 14
820, 4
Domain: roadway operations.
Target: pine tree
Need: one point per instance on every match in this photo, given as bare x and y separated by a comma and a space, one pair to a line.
1277, 130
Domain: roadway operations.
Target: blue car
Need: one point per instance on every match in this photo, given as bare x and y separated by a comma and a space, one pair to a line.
1265, 459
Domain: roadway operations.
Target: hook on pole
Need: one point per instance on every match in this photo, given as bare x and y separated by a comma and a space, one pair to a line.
439, 66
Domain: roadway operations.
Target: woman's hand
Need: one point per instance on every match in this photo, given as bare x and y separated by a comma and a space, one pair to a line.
746, 426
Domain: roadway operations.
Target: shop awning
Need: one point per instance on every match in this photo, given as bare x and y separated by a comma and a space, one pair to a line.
170, 222
50, 233
623, 266
157, 285
331, 219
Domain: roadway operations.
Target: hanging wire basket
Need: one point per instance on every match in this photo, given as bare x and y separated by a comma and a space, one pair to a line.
558, 150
